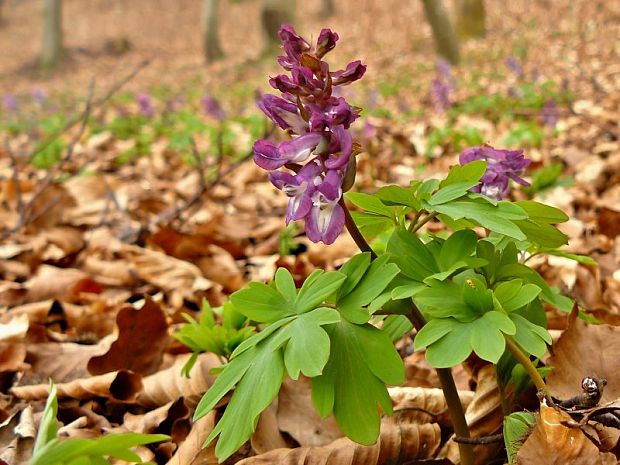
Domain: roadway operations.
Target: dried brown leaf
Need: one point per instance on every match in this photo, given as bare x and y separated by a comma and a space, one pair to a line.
142, 339
169, 384
192, 451
395, 442
267, 435
122, 385
585, 350
552, 443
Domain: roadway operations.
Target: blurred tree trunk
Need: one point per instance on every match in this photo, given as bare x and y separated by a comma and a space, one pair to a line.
443, 33
51, 51
210, 41
273, 14
470, 18
327, 8
1, 9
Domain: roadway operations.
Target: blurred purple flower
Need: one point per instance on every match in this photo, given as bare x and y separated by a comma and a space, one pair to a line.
502, 166
440, 95
444, 70
39, 96
9, 102
145, 104
318, 121
513, 65
212, 107
549, 114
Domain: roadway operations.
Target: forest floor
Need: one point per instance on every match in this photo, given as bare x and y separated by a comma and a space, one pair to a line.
107, 206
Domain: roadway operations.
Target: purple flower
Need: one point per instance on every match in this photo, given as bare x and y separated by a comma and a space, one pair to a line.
502, 166
282, 112
326, 42
39, 96
145, 104
354, 71
340, 148
513, 65
325, 221
444, 70
328, 115
9, 102
299, 188
549, 114
267, 156
212, 107
440, 95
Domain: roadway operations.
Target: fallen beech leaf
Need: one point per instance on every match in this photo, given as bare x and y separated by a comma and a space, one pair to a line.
12, 356
17, 437
169, 384
142, 339
192, 451
298, 417
484, 416
121, 385
424, 405
395, 442
171, 419
15, 329
585, 350
267, 435
552, 443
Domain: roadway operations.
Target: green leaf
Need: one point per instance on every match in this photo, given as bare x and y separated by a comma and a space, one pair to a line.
584, 260
542, 213
397, 195
262, 303
48, 426
258, 386
451, 349
307, 344
369, 203
514, 294
411, 255
457, 247
516, 426
486, 336
396, 326
532, 338
354, 269
317, 288
406, 291
258, 337
542, 234
374, 281
432, 331
445, 299
361, 362
286, 284
370, 224
451, 192
469, 172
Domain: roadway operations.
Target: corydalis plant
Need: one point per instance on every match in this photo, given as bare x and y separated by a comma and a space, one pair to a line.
318, 123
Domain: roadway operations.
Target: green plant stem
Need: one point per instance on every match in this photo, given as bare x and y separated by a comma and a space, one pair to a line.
459, 422
428, 217
414, 222
527, 364
354, 231
455, 408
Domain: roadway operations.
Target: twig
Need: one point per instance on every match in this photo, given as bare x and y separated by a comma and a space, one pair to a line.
482, 440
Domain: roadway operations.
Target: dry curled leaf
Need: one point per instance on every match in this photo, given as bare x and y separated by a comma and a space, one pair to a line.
585, 350
192, 451
424, 405
552, 443
171, 419
169, 384
142, 340
121, 385
267, 435
396, 441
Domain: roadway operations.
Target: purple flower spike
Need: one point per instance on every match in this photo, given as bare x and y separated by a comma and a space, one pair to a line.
513, 65
549, 114
326, 42
440, 95
325, 221
145, 104
212, 107
39, 96
318, 121
502, 165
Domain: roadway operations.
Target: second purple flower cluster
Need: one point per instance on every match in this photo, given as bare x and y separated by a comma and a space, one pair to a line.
318, 123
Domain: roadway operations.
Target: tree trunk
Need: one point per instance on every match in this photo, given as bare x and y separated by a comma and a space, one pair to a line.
210, 41
443, 33
469, 18
1, 10
273, 14
51, 51
327, 8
